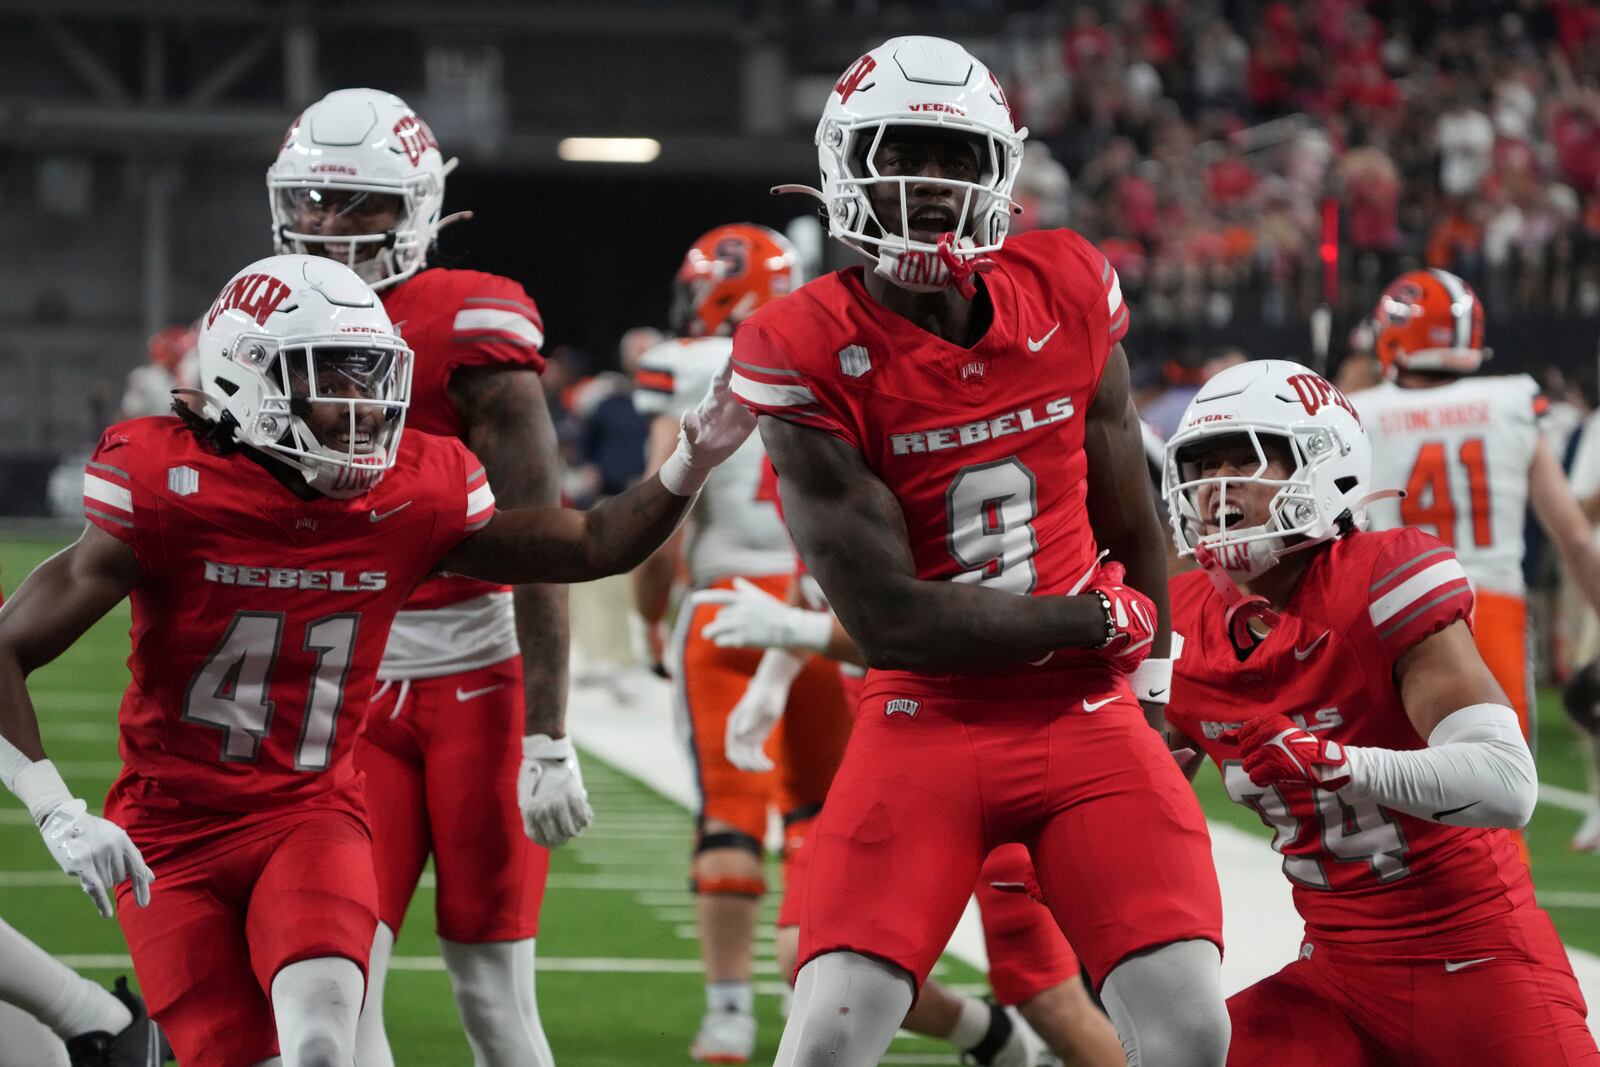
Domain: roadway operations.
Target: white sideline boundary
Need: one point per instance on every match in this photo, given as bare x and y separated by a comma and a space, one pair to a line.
629, 724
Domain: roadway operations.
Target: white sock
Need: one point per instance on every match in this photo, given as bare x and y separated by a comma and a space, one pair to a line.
53, 993
730, 996
316, 1003
972, 1026
27, 1042
372, 1042
847, 1008
493, 984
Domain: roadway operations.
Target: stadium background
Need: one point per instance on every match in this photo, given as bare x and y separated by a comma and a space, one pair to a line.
1244, 164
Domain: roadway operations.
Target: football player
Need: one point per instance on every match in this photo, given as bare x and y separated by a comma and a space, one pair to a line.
267, 534
1332, 676
1467, 450
474, 675
953, 433
1031, 966
733, 534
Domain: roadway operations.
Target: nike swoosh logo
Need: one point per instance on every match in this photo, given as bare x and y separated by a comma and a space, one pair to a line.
1451, 811
1451, 967
1154, 693
1302, 653
1098, 704
1034, 346
378, 516
465, 695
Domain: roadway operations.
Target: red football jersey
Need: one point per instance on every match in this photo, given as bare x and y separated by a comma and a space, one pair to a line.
1361, 872
983, 446
259, 618
454, 319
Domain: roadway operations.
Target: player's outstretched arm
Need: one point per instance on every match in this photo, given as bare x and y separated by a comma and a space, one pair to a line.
59, 601
852, 535
544, 544
1121, 511
1564, 520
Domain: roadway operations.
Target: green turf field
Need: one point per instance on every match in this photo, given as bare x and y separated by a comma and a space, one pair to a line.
619, 981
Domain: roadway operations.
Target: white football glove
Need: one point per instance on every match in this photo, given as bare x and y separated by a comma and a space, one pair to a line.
759, 710
550, 793
95, 850
751, 617
98, 852
709, 433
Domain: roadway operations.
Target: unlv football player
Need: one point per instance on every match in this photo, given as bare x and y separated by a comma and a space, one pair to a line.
1468, 452
953, 436
1331, 675
473, 674
267, 535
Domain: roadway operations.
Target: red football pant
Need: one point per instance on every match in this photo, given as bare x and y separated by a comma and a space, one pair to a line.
1116, 833
441, 757
806, 746
1338, 1007
220, 928
1028, 954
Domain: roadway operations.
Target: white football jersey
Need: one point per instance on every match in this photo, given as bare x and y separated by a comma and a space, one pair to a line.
1461, 452
732, 530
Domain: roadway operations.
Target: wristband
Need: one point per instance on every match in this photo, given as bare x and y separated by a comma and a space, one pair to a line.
1152, 680
811, 630
41, 790
543, 746
680, 476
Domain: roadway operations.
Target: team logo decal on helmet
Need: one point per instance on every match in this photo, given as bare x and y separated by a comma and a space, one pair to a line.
1429, 321
299, 359
931, 84
1279, 408
727, 274
360, 179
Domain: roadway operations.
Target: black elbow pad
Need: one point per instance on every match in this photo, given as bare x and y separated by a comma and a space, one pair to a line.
1581, 698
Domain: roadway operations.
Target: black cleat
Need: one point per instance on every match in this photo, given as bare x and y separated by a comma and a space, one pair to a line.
138, 1045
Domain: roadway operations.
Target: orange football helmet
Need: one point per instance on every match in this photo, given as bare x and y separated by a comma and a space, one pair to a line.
727, 274
1430, 321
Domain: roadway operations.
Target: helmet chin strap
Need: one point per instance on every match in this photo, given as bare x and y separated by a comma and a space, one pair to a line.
1242, 609
962, 266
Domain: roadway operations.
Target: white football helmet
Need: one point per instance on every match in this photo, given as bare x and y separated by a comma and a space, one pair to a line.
927, 82
1323, 496
360, 141
290, 335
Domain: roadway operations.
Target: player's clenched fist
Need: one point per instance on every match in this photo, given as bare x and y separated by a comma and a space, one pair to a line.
1276, 751
550, 793
1132, 619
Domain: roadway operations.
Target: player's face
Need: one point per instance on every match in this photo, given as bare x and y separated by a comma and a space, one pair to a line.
342, 375
341, 212
931, 208
1246, 502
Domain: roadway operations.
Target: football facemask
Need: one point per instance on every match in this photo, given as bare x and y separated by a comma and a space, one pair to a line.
917, 85
359, 179
1268, 407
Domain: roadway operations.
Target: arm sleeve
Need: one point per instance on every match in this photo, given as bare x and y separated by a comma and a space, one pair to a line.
1416, 588
1476, 771
497, 324
770, 382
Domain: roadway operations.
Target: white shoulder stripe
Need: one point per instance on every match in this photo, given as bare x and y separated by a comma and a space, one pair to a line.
777, 396
477, 320
480, 499
110, 493
1414, 589
1114, 295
